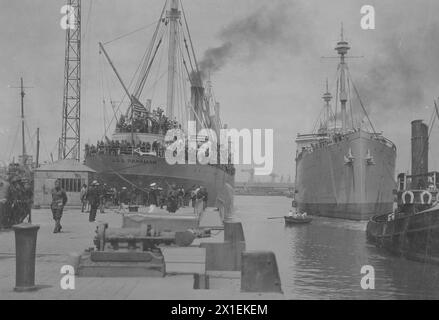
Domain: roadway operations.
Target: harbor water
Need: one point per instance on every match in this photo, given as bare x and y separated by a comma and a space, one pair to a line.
323, 260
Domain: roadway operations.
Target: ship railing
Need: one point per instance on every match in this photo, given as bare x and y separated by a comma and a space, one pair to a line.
156, 152
381, 138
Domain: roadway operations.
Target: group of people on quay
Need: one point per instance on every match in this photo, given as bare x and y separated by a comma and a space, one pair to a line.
100, 195
16, 195
175, 197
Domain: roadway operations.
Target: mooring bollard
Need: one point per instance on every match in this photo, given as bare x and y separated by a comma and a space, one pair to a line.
25, 248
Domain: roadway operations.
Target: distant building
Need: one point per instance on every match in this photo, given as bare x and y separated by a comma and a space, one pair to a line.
72, 176
264, 188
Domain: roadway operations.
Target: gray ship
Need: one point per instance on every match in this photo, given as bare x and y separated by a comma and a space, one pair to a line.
135, 154
344, 169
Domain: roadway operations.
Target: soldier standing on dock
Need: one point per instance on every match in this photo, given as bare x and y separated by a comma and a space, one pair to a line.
93, 198
171, 204
83, 196
59, 200
194, 195
205, 197
123, 197
153, 195
180, 197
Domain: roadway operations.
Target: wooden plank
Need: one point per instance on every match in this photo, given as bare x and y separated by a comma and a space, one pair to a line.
124, 256
120, 271
184, 260
186, 254
185, 268
224, 274
89, 268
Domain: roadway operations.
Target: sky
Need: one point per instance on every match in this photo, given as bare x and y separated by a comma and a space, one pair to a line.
271, 74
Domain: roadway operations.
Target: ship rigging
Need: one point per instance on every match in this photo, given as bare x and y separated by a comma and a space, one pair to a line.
348, 118
182, 71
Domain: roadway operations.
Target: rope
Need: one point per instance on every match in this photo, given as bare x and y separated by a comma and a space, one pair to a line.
143, 74
13, 144
350, 103
189, 35
88, 20
316, 122
361, 102
132, 32
31, 138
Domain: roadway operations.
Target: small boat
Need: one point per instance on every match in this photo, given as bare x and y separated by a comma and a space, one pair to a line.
297, 220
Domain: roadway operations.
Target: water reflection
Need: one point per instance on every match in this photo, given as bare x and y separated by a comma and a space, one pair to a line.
323, 260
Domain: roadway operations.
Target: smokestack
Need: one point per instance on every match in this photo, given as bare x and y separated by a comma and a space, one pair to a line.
419, 153
197, 96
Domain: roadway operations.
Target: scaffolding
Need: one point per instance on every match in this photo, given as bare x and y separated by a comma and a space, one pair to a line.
70, 141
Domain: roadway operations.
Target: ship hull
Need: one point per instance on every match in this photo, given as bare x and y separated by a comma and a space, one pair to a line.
141, 171
415, 237
326, 185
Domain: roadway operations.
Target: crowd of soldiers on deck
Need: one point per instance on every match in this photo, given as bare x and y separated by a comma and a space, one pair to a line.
16, 195
154, 122
112, 147
173, 197
157, 148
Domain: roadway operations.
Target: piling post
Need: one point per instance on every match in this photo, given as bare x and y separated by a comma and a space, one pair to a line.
25, 250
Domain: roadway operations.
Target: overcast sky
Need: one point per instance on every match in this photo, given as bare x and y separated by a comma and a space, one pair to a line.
273, 78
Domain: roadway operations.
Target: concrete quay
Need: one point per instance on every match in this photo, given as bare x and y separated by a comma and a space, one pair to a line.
56, 250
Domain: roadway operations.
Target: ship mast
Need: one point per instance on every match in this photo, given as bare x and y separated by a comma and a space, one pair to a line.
342, 49
327, 97
23, 142
173, 15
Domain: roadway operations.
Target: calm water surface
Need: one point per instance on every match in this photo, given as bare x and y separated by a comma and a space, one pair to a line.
323, 260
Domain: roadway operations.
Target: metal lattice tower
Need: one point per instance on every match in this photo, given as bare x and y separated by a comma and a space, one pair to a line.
70, 143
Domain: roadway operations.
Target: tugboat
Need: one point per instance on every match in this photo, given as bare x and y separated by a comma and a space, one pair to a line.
412, 230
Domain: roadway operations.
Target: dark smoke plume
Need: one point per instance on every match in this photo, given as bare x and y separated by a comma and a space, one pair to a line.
272, 29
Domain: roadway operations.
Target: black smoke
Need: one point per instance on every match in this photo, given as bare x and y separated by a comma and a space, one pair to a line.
276, 28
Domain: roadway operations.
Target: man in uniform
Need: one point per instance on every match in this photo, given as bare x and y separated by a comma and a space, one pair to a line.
194, 195
59, 200
94, 200
171, 204
180, 196
4, 186
83, 196
123, 197
153, 195
102, 197
205, 197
